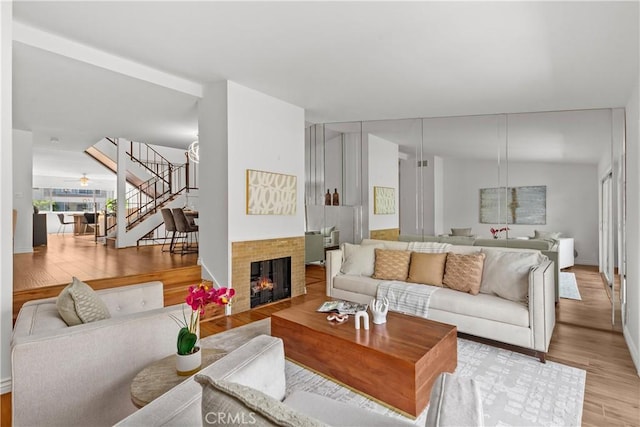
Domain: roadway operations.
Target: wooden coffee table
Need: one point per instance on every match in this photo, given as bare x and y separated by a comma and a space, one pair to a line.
396, 362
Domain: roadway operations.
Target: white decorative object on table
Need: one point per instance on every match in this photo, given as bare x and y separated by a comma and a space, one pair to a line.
379, 309
365, 319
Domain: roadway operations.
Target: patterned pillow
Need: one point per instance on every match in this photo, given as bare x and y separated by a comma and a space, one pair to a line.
464, 272
231, 404
427, 268
391, 264
78, 303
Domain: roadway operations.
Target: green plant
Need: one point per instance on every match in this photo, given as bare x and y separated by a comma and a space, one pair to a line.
111, 205
42, 205
198, 297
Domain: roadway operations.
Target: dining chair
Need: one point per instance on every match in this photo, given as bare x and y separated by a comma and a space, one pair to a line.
184, 228
88, 219
169, 227
63, 223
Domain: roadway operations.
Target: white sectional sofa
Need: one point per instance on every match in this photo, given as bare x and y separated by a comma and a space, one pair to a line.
80, 375
528, 325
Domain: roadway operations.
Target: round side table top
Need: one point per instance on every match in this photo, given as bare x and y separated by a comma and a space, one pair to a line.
161, 376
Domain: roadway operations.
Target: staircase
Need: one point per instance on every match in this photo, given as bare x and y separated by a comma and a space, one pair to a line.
154, 183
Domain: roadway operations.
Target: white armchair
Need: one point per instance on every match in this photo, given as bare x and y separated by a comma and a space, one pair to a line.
80, 375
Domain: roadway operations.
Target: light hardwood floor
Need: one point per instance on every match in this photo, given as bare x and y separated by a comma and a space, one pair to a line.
583, 338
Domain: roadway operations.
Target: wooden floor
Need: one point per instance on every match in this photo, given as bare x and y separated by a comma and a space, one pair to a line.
66, 256
583, 336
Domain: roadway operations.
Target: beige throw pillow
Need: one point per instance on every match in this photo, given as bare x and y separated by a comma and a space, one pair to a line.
78, 303
506, 273
358, 260
391, 265
464, 272
427, 268
232, 404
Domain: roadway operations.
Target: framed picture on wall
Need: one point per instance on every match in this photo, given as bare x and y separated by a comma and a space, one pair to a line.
270, 193
384, 200
514, 205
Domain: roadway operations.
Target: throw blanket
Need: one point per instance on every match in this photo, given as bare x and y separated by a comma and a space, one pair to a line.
407, 298
429, 247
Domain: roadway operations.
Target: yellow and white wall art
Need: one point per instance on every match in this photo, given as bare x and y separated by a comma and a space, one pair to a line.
271, 193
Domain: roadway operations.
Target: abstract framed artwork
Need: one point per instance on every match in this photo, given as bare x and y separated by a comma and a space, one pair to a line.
270, 193
384, 200
514, 205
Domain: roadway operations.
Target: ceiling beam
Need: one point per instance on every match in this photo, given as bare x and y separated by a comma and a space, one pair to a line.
40, 39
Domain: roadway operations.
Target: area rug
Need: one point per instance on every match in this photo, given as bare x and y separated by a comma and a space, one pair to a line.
515, 389
569, 286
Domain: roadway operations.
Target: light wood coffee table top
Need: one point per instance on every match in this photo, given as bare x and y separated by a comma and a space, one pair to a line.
396, 362
161, 376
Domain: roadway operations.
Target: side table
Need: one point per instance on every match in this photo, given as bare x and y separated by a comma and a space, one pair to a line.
161, 376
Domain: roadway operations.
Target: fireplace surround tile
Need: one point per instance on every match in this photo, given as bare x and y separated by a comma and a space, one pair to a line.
245, 252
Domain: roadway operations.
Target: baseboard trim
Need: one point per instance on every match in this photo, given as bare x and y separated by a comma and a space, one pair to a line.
5, 386
635, 355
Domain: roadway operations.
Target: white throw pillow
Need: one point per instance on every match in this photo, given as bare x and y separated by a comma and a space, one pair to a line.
358, 260
506, 273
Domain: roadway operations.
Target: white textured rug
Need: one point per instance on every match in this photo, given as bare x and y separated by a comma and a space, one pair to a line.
516, 390
569, 286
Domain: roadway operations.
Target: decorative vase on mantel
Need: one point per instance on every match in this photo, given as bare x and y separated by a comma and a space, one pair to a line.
495, 236
189, 364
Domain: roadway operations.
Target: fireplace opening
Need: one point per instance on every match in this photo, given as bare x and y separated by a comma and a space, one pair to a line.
270, 281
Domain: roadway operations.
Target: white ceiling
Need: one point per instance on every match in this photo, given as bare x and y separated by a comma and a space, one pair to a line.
339, 61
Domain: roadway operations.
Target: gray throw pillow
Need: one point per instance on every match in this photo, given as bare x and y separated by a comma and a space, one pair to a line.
78, 303
461, 232
546, 235
231, 404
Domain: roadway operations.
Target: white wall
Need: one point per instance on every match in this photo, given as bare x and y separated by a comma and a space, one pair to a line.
240, 129
6, 202
572, 199
265, 134
22, 190
382, 172
632, 312
213, 221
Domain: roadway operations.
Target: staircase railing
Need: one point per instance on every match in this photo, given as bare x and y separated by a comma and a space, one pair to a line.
147, 157
167, 181
147, 198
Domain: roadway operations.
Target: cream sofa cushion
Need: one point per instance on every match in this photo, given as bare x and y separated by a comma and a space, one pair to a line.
358, 259
506, 274
481, 306
357, 284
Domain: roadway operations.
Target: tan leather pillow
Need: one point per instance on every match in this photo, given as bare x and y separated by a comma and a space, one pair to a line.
464, 272
391, 265
427, 268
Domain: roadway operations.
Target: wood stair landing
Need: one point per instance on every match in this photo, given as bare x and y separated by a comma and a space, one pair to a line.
176, 282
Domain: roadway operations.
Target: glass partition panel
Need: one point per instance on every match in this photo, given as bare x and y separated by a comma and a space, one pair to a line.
393, 162
464, 176
333, 182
